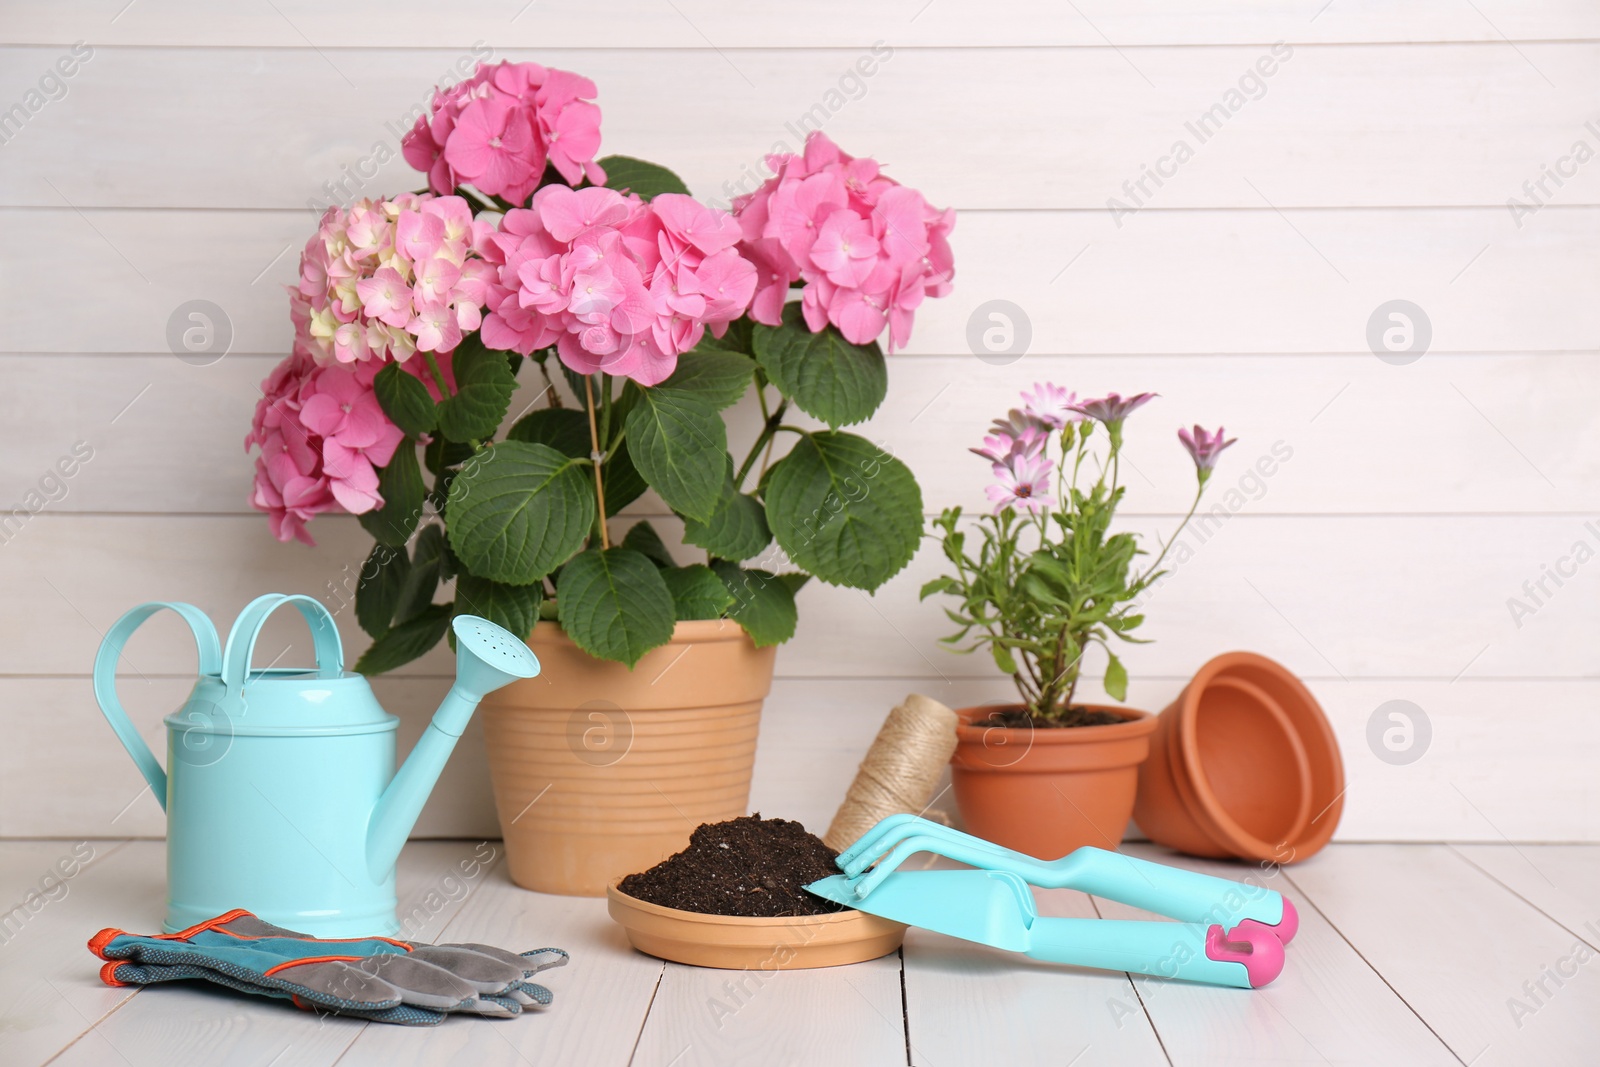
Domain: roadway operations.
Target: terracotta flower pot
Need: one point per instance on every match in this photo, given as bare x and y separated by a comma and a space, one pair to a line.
1048, 791
1243, 764
600, 771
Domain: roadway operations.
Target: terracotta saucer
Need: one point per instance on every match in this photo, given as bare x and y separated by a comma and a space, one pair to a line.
739, 942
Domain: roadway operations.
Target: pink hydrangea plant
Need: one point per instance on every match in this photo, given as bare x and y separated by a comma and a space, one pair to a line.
616, 283
383, 279
867, 249
497, 130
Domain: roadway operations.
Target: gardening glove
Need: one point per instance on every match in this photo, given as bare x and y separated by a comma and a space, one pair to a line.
376, 978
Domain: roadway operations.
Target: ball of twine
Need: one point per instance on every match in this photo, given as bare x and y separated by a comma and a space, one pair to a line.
900, 769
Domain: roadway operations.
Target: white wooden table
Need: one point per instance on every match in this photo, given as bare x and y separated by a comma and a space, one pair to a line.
1408, 954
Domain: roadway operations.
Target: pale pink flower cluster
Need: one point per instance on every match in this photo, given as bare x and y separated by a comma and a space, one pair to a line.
1015, 448
497, 130
615, 283
867, 248
383, 279
321, 433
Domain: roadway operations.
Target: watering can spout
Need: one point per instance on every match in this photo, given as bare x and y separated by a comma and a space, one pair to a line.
487, 657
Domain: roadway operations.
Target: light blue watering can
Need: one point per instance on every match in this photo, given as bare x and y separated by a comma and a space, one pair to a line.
280, 787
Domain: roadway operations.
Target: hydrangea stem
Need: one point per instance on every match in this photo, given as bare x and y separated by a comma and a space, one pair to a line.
768, 429
596, 458
549, 384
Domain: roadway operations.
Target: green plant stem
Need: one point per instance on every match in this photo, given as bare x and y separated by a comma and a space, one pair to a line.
1154, 566
766, 457
770, 427
1067, 671
995, 629
438, 375
1083, 448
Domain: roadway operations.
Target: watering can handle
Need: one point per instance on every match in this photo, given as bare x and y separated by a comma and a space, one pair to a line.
242, 640
105, 680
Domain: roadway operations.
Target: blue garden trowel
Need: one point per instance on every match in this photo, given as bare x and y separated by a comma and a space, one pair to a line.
996, 907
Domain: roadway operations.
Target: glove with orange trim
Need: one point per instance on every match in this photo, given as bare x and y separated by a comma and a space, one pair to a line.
375, 978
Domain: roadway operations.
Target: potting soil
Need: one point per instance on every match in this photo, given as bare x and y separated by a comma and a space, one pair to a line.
746, 866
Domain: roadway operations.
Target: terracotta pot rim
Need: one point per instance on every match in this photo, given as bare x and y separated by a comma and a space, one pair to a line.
688, 632
1136, 723
1305, 731
750, 922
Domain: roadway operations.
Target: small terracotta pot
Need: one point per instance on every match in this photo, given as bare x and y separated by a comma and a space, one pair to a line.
1244, 765
1048, 791
738, 942
600, 771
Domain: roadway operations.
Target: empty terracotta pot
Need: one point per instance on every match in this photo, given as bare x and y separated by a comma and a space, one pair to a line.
1243, 764
1049, 791
600, 771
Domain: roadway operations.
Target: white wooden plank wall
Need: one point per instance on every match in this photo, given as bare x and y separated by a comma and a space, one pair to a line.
1396, 510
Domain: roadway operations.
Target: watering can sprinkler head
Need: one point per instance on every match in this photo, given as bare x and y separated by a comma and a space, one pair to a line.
488, 657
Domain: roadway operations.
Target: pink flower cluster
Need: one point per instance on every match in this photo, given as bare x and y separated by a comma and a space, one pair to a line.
867, 248
1015, 448
321, 433
615, 283
497, 130
385, 278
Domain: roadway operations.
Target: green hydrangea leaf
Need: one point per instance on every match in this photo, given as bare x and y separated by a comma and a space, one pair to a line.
677, 441
484, 384
422, 580
844, 510
564, 429
520, 510
403, 491
737, 529
406, 641
516, 607
626, 174
614, 604
642, 538
697, 592
379, 586
763, 603
405, 400
719, 378
826, 376
736, 338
